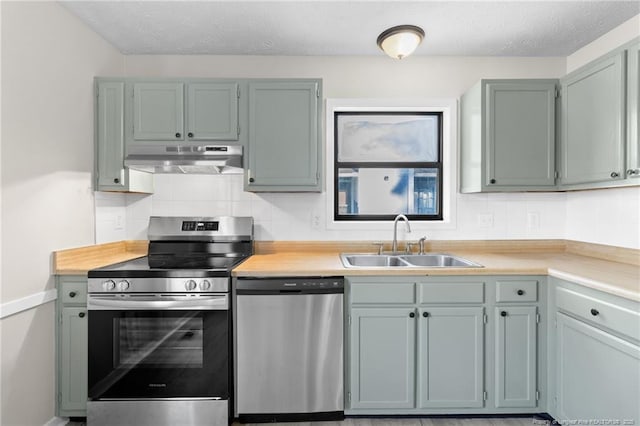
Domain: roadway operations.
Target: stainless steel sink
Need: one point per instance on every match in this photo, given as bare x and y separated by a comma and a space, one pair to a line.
430, 260
372, 260
439, 261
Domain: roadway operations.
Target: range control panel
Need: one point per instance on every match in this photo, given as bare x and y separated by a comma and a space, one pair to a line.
190, 226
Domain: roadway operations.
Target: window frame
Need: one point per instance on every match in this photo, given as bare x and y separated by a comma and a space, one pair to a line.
449, 108
337, 165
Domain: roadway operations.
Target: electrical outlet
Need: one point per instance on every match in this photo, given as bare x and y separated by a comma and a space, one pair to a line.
119, 222
485, 220
533, 221
315, 221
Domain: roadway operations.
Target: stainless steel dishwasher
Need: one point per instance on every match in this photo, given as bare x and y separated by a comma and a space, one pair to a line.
289, 349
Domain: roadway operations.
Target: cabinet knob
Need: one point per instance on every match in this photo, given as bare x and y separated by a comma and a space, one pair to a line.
116, 180
425, 314
190, 134
251, 180
81, 314
614, 174
72, 294
520, 292
412, 314
178, 135
595, 312
503, 313
633, 171
492, 181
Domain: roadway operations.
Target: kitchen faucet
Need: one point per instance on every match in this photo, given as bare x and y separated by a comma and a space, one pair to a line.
394, 244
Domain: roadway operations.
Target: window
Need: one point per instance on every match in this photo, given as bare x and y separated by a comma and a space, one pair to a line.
388, 163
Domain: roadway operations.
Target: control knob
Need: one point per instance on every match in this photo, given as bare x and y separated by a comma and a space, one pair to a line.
190, 285
123, 285
205, 285
108, 285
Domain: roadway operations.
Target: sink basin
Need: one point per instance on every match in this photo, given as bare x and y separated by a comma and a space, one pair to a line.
430, 260
375, 260
439, 261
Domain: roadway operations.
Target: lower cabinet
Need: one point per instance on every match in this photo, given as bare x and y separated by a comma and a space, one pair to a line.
444, 345
71, 342
596, 369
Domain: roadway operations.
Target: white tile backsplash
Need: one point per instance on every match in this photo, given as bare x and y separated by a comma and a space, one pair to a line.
609, 216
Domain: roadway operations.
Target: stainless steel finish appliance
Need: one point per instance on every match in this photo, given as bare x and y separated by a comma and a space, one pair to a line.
172, 158
289, 349
160, 326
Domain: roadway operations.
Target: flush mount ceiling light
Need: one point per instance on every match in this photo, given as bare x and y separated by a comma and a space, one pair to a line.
400, 42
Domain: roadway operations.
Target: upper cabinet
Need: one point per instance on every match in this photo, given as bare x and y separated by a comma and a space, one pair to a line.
111, 174
284, 136
593, 122
211, 112
633, 111
508, 136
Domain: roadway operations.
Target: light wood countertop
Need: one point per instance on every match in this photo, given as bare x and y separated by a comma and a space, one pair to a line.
78, 261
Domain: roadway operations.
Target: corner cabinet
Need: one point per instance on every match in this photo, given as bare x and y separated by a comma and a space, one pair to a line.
508, 136
71, 344
593, 122
440, 345
595, 371
284, 150
111, 174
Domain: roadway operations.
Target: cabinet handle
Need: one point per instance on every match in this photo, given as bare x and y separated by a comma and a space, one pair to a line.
190, 134
614, 174
503, 313
81, 314
520, 292
595, 312
178, 135
412, 314
492, 181
116, 180
425, 314
72, 294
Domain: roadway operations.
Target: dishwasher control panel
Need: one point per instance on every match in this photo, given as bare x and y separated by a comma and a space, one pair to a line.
291, 284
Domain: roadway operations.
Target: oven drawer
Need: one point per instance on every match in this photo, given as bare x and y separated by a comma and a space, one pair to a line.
73, 293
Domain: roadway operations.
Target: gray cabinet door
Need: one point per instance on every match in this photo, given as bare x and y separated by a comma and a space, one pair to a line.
382, 361
72, 375
110, 136
283, 136
450, 360
593, 120
520, 134
594, 369
212, 111
516, 356
158, 111
633, 112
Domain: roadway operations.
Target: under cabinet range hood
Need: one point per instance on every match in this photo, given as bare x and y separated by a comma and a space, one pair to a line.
195, 159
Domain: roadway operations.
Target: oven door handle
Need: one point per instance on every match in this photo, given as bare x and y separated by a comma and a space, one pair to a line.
154, 303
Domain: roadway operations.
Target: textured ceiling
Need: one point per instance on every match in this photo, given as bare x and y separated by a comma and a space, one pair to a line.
477, 28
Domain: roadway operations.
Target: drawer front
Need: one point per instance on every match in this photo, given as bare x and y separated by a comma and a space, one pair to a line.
451, 292
383, 293
73, 293
599, 312
517, 291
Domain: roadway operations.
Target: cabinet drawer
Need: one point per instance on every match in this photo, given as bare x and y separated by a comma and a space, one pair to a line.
73, 293
517, 291
599, 312
451, 292
383, 293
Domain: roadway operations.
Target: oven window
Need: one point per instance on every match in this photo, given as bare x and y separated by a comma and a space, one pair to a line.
158, 342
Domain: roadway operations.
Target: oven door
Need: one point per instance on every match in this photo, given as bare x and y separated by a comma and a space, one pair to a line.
144, 346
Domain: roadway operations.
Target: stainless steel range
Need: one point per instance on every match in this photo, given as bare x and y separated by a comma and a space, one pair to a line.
159, 326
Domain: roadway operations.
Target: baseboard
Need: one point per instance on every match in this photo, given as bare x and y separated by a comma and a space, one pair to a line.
26, 303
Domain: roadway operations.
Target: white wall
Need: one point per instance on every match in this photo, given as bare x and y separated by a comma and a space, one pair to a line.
289, 216
49, 60
610, 216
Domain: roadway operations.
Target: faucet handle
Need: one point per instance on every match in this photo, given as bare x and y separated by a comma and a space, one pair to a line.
408, 247
380, 244
421, 244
